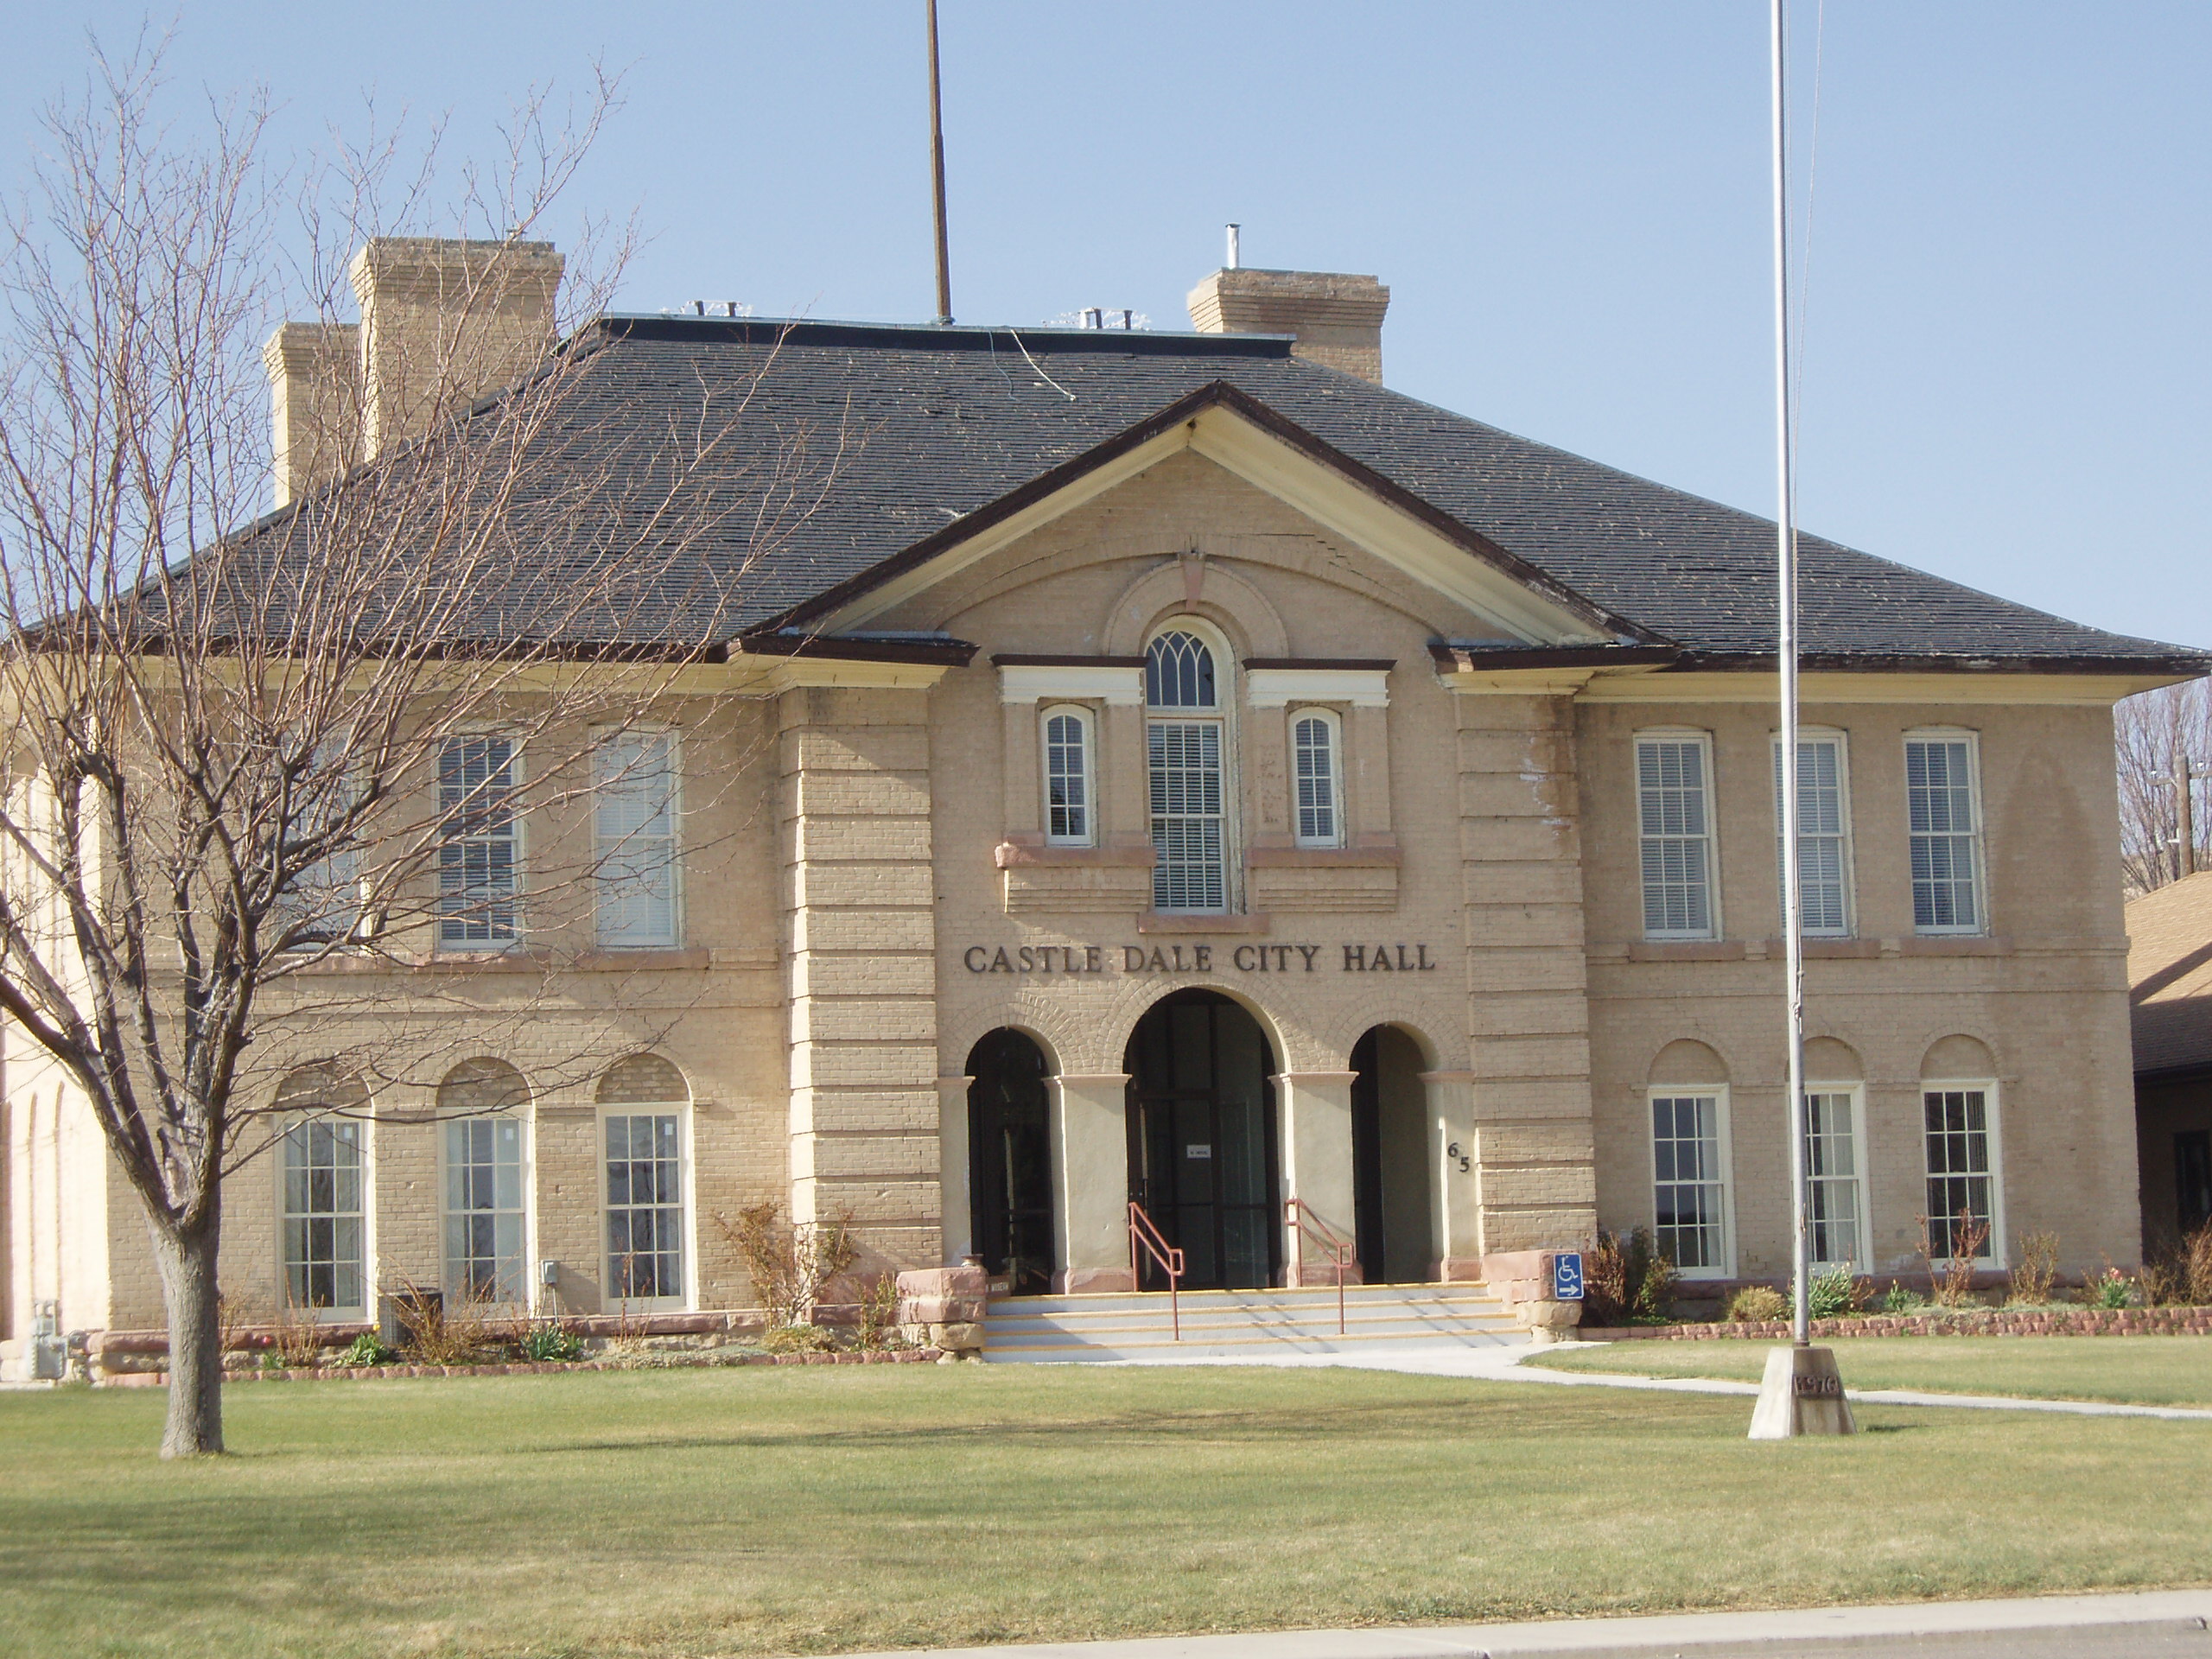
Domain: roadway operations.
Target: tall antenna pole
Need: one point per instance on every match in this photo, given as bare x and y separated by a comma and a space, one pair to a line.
936, 181
1793, 910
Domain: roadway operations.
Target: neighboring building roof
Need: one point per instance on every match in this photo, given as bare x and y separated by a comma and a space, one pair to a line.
931, 426
2169, 977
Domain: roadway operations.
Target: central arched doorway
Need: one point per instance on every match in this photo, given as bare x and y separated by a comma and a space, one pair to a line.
1391, 1160
1202, 1140
1010, 1161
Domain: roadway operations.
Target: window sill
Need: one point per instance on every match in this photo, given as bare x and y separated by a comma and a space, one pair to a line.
1181, 921
1324, 858
1952, 945
547, 961
1014, 855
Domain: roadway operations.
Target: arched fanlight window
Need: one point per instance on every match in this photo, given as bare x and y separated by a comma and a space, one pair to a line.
1179, 672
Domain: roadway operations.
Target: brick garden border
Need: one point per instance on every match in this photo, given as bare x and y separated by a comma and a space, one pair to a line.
1985, 1322
532, 1368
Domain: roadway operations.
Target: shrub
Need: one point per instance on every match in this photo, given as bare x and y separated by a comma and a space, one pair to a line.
1756, 1303
2180, 1272
1836, 1293
879, 1308
1950, 1281
295, 1337
547, 1344
2037, 1271
797, 1339
2110, 1289
789, 1264
440, 1329
367, 1349
1898, 1300
1624, 1280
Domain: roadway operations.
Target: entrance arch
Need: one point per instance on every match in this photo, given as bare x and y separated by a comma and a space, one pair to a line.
1010, 1161
1393, 1161
1203, 1157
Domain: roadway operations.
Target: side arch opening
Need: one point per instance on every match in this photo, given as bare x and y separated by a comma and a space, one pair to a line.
1010, 1161
1394, 1160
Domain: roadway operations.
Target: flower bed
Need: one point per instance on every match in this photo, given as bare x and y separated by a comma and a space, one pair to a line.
1941, 1322
524, 1368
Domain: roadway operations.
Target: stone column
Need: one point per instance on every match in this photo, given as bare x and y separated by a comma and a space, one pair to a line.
1529, 1013
952, 1168
1090, 1183
862, 964
1455, 1202
1316, 1142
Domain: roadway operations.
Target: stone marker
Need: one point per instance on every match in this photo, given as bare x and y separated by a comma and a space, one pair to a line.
1802, 1394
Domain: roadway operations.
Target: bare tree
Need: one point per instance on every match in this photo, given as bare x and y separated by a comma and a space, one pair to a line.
2164, 746
258, 767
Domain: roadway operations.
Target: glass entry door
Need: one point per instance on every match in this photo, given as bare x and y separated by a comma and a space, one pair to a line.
1201, 1143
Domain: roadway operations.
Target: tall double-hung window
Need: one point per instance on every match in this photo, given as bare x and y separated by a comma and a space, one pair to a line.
1070, 784
1962, 1171
1835, 1190
479, 859
1689, 1168
634, 825
1823, 832
1943, 809
1185, 745
324, 1265
1674, 791
1318, 773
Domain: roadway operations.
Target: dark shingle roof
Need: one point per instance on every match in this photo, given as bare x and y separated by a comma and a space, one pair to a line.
909, 430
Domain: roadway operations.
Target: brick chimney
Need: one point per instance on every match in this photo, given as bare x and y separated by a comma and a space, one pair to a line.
1336, 319
314, 403
442, 323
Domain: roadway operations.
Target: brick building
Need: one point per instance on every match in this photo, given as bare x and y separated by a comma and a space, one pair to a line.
1174, 767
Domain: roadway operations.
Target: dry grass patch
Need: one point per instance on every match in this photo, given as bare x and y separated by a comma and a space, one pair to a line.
772, 1511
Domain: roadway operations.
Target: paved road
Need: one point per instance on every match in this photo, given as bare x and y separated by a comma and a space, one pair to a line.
2154, 1624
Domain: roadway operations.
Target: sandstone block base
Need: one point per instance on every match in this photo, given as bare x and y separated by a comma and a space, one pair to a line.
1802, 1394
1549, 1321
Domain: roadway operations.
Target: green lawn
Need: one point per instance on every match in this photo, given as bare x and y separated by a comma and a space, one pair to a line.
765, 1510
2142, 1370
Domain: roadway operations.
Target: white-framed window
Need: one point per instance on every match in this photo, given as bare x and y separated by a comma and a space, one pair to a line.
486, 1210
1823, 832
643, 1164
1673, 795
1689, 1171
479, 858
1186, 744
1943, 810
1836, 1181
1964, 1198
1317, 778
1071, 792
322, 903
325, 1241
637, 865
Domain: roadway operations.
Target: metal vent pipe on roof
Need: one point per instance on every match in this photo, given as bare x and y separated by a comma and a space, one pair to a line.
1234, 257
1093, 317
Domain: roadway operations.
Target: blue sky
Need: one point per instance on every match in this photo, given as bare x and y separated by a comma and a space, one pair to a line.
2006, 363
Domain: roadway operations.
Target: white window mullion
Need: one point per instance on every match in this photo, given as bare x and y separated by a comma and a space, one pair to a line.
479, 859
1962, 1193
1689, 1167
324, 1253
1836, 1187
1317, 775
1069, 786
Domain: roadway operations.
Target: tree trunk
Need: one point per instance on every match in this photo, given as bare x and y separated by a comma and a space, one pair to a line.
187, 1261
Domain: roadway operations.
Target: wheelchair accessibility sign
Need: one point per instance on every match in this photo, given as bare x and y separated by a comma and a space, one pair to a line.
1567, 1276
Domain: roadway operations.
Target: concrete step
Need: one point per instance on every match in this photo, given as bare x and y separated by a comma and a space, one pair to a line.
1217, 1323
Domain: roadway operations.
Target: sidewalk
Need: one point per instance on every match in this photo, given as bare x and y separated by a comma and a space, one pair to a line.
1504, 1362
2157, 1622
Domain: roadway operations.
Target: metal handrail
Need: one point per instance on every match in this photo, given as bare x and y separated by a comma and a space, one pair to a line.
1341, 1252
1144, 1235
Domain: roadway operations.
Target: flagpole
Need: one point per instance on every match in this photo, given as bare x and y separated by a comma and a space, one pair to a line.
936, 181
1793, 916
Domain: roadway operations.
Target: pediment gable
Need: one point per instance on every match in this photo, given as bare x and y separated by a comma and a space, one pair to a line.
1273, 455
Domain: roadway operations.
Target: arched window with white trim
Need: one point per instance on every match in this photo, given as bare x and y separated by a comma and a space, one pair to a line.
1185, 750
324, 1192
481, 1104
1071, 792
1317, 777
644, 1113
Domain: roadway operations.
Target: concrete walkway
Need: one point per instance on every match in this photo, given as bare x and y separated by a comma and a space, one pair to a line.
2156, 1622
1522, 1362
